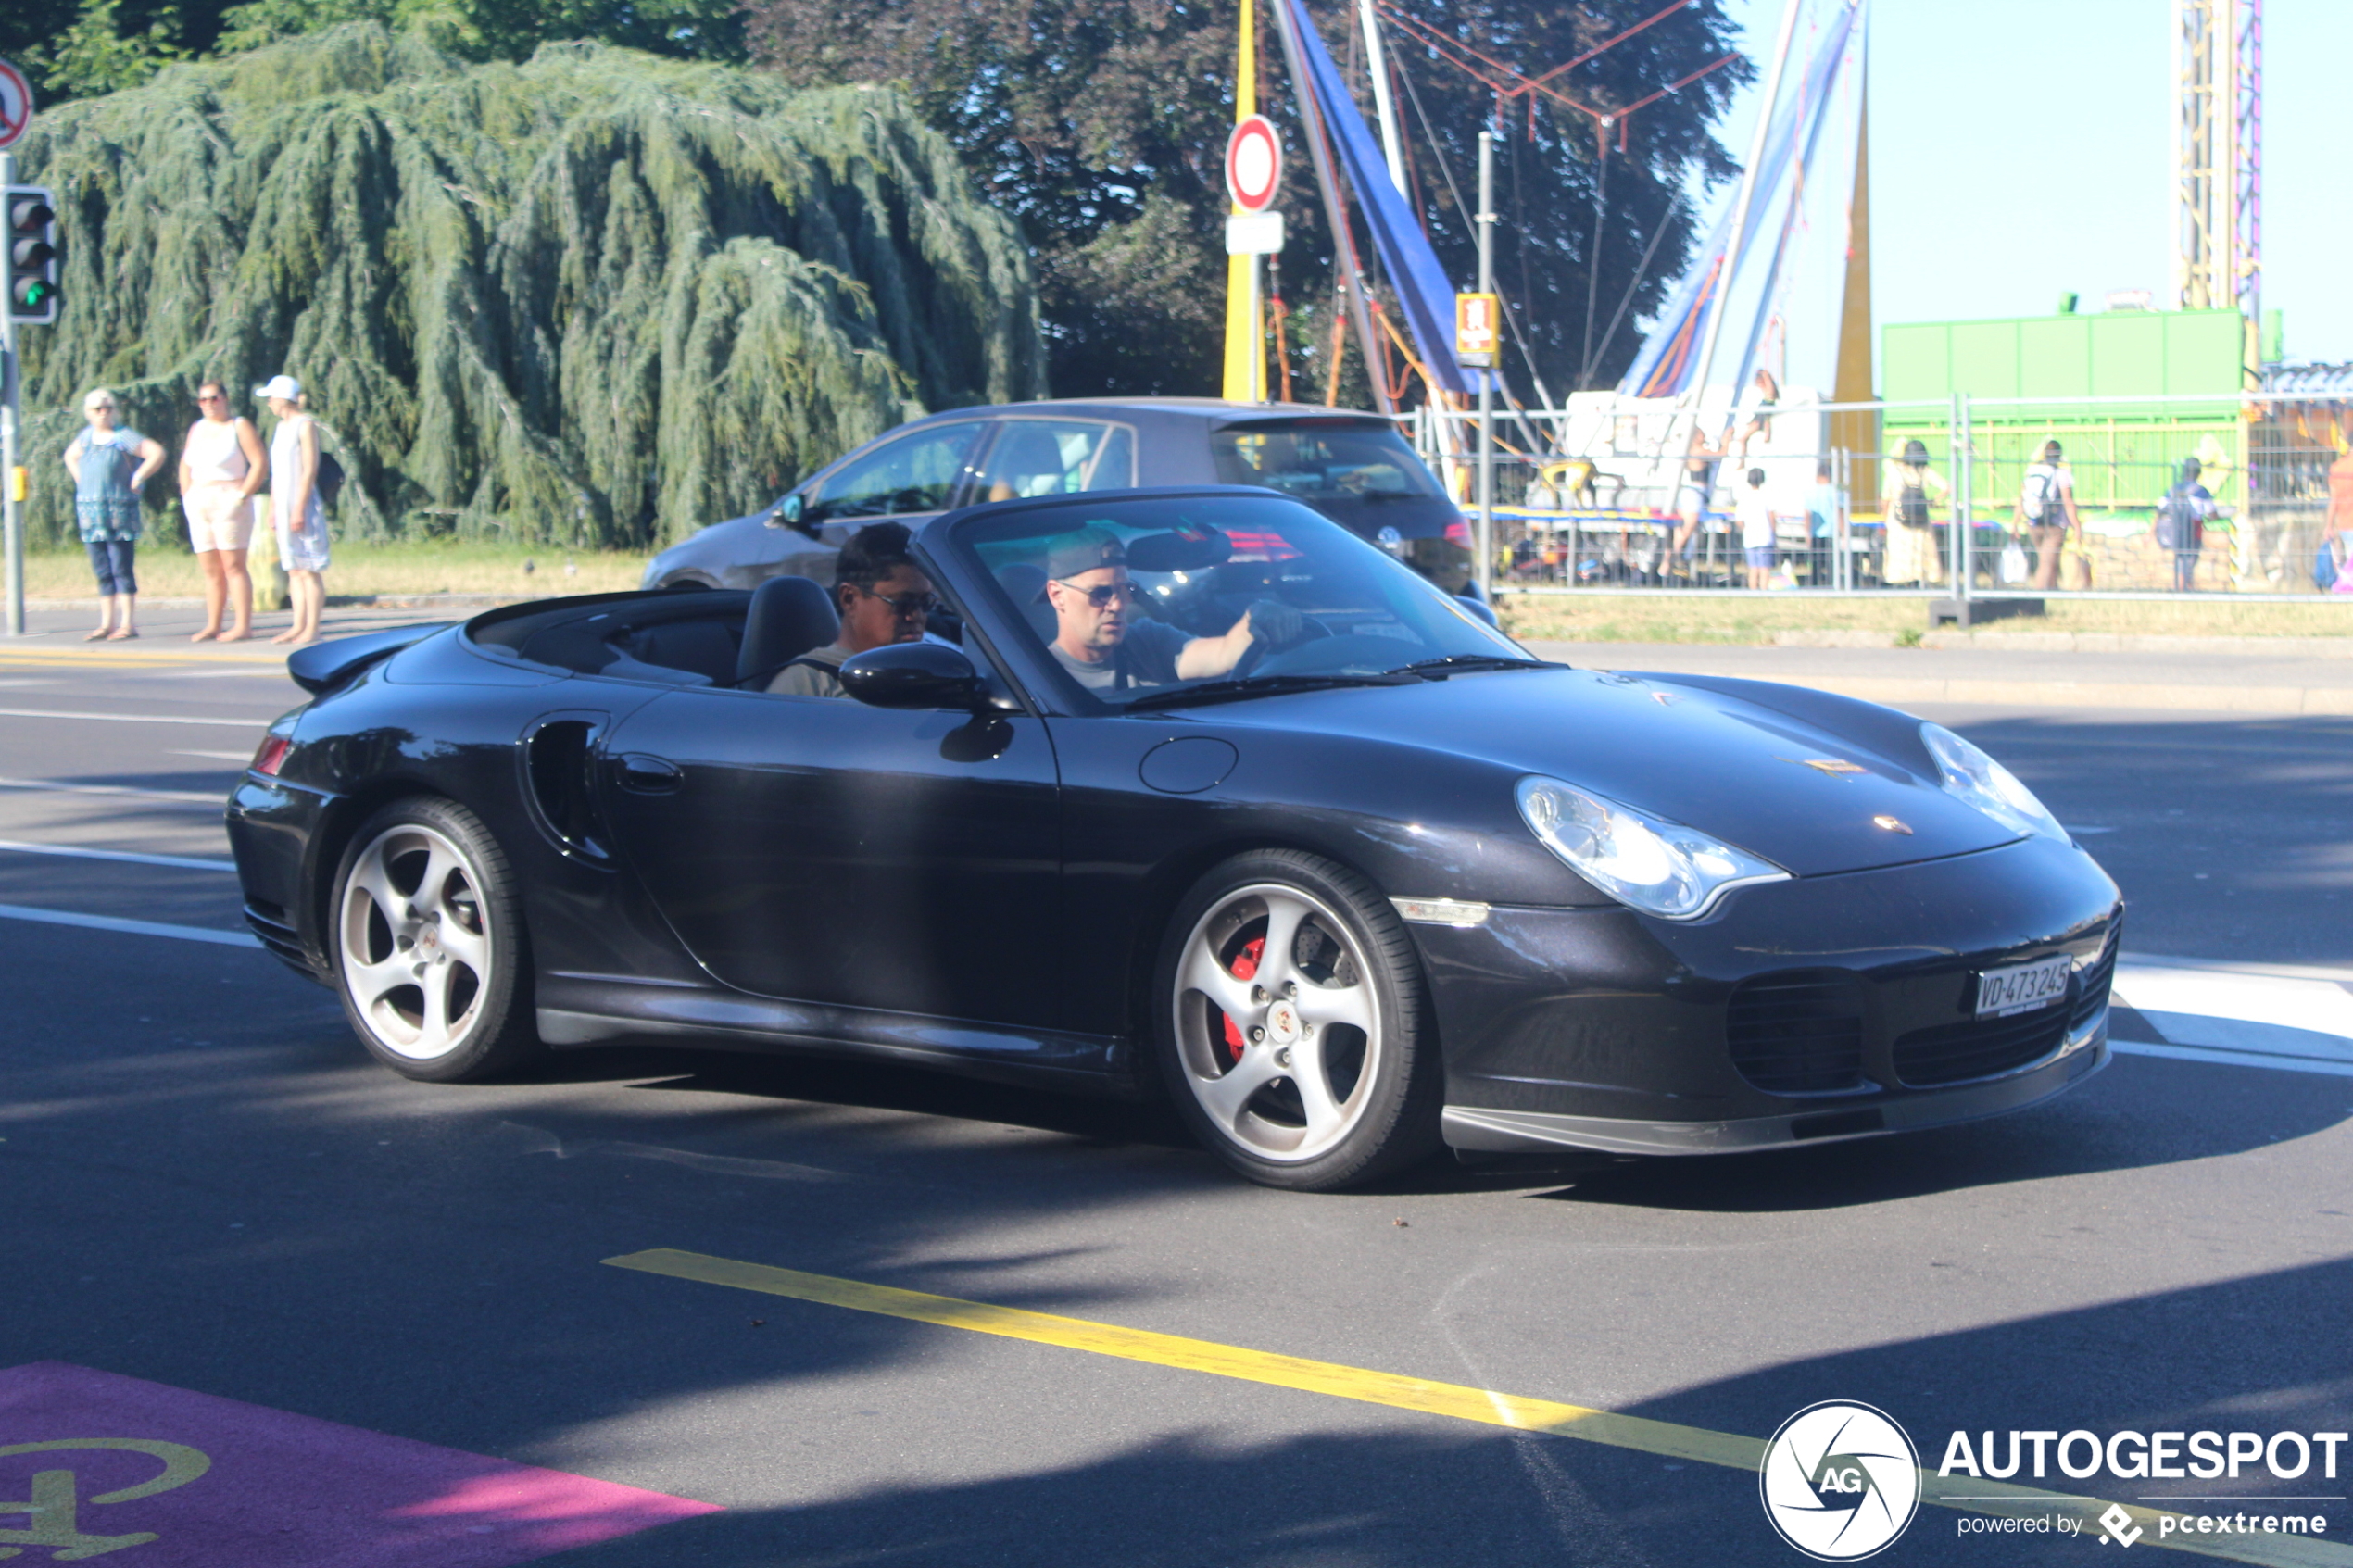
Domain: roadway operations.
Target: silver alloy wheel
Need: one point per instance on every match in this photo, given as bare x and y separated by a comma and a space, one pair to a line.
1279, 1025
416, 952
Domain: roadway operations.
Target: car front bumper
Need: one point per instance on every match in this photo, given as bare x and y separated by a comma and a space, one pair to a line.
1603, 1029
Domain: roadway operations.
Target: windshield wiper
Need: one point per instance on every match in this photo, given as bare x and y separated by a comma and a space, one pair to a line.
1459, 663
1257, 685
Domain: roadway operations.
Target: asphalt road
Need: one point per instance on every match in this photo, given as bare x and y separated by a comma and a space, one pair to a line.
207, 1186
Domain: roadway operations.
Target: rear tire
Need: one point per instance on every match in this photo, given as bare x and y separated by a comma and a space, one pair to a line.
1293, 1026
426, 934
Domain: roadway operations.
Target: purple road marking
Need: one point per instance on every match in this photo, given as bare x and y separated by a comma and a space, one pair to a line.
283, 1490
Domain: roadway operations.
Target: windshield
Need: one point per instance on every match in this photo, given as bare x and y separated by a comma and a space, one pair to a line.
1322, 460
1158, 600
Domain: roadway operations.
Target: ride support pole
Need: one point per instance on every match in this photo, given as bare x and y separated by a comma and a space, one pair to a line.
1486, 218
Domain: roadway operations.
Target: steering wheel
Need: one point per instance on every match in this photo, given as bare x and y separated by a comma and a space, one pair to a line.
1330, 653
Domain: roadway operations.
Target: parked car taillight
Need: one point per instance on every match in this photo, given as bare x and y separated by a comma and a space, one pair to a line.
1458, 533
273, 754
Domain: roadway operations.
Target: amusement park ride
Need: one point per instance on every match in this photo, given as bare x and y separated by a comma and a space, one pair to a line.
1774, 310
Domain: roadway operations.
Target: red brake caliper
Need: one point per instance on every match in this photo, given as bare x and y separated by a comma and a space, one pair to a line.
1244, 967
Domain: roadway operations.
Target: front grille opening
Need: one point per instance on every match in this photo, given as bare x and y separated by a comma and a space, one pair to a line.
2092, 982
1979, 1047
1798, 1033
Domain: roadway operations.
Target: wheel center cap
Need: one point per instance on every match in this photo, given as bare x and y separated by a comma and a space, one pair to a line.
429, 940
1283, 1024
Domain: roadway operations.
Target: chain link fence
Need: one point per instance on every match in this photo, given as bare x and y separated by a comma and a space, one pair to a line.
1608, 495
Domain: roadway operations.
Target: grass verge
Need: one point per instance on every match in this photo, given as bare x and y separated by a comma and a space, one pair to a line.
1697, 619
168, 571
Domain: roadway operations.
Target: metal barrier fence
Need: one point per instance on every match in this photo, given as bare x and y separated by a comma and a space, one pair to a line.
1598, 496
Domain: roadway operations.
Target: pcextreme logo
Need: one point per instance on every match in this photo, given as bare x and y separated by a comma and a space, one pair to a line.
1839, 1481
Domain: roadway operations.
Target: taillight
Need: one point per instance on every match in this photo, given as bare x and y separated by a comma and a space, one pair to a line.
1458, 533
273, 754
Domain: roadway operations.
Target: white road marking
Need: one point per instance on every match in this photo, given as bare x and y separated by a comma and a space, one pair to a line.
2289, 1018
183, 796
77, 852
131, 718
130, 927
216, 756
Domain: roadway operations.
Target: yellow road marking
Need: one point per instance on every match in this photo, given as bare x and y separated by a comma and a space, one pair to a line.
1427, 1397
129, 658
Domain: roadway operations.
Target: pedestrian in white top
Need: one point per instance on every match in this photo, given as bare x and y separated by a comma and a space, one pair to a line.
295, 511
2046, 508
1756, 530
220, 467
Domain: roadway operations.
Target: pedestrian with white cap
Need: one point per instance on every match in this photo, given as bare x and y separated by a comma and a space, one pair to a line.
295, 511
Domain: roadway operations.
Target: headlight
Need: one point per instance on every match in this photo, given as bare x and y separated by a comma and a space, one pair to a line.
1988, 786
1660, 868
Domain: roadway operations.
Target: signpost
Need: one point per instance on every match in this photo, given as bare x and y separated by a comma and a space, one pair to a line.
1253, 173
15, 118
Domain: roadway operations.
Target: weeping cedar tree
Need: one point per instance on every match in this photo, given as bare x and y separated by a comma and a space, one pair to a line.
1101, 125
597, 298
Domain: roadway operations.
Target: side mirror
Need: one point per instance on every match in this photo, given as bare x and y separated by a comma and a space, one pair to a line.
914, 675
1480, 608
786, 512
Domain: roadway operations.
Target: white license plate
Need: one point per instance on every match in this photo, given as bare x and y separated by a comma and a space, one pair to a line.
2022, 988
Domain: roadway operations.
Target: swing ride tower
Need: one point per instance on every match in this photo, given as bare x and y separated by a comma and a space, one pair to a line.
2218, 162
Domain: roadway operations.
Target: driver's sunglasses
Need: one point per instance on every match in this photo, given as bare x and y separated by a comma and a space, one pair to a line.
904, 605
210, 397
1101, 595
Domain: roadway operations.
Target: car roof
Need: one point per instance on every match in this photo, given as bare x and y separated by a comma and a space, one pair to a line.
1215, 410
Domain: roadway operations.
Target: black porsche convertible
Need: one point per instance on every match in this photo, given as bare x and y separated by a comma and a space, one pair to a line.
1201, 797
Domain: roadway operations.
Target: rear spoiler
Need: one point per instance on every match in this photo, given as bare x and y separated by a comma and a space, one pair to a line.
324, 665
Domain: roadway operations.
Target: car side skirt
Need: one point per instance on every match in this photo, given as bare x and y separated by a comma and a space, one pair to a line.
597, 1009
1532, 1132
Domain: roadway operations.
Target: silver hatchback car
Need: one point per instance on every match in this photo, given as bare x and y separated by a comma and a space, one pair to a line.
1355, 468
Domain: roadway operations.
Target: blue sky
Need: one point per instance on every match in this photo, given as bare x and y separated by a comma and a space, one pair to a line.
2020, 148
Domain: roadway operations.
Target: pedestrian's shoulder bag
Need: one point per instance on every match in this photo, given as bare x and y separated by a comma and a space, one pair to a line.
2042, 498
1911, 505
2172, 513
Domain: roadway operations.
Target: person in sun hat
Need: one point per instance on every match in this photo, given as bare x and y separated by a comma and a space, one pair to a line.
295, 511
108, 464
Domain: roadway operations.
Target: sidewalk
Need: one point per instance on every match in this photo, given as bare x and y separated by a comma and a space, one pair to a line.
2290, 682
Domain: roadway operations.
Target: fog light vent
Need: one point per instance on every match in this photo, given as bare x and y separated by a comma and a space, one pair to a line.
1798, 1033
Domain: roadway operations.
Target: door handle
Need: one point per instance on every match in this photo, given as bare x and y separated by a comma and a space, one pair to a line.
642, 773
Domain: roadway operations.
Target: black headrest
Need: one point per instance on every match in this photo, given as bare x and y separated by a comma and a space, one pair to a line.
1026, 586
789, 616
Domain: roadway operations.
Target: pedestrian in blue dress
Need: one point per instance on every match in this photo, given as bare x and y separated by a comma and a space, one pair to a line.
108, 464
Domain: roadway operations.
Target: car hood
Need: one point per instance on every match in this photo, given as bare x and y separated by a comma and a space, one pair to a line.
1798, 792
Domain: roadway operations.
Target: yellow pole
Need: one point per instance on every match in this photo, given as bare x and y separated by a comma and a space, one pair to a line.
1245, 363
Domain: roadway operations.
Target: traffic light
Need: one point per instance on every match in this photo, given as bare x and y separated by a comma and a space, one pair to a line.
33, 255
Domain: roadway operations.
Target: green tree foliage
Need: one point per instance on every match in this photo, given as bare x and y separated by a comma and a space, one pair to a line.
596, 299
1101, 124
103, 51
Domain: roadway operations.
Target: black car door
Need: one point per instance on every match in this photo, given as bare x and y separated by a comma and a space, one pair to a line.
822, 850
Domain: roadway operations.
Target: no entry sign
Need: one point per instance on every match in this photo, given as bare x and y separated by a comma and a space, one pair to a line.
1254, 164
16, 105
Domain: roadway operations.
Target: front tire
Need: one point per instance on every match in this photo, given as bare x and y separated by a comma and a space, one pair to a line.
427, 937
1293, 1025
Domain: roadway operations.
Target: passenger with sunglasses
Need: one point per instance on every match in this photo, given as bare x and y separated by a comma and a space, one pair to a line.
883, 598
1104, 645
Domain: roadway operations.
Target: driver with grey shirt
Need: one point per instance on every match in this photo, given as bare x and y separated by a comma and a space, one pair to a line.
1105, 647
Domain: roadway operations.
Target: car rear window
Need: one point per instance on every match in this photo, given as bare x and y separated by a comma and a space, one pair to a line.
1321, 461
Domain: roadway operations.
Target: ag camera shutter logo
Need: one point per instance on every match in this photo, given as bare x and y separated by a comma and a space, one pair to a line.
1839, 1481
